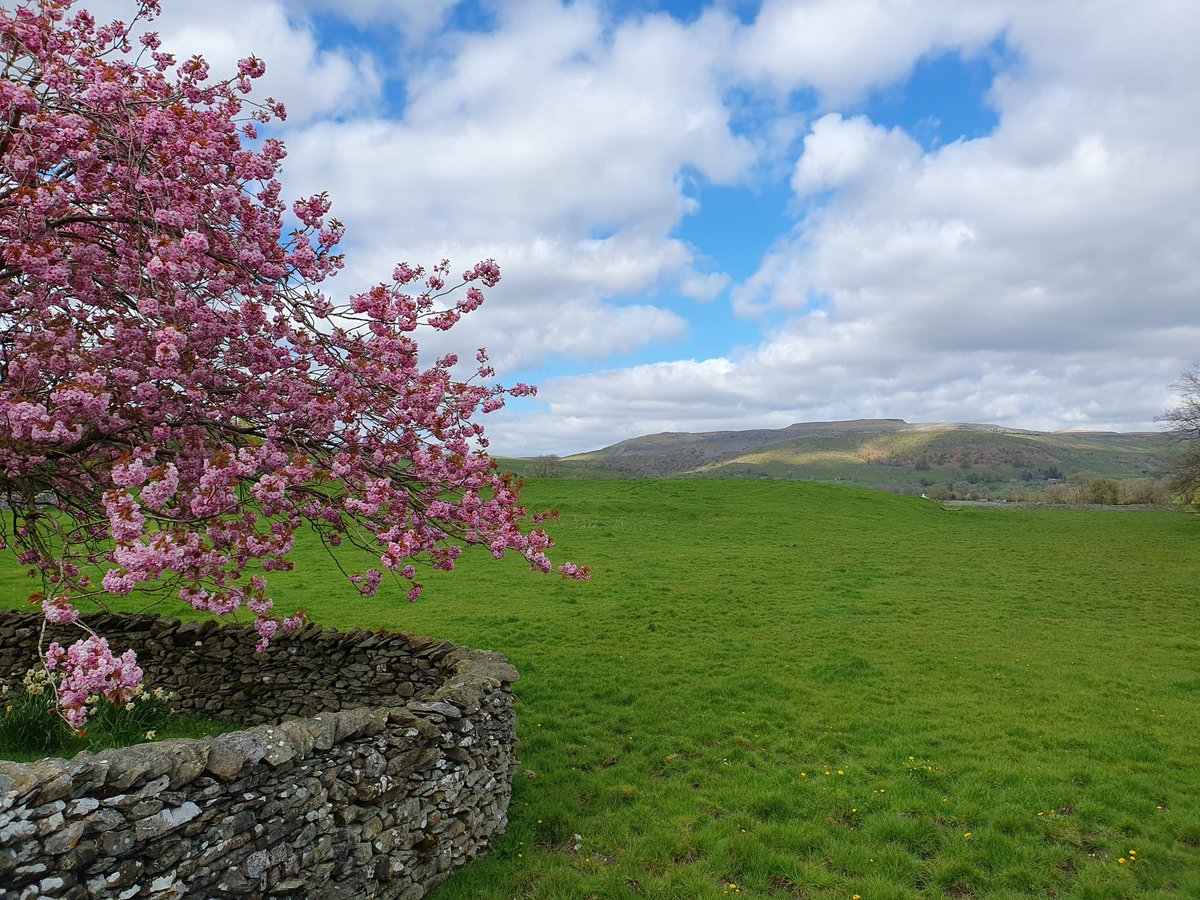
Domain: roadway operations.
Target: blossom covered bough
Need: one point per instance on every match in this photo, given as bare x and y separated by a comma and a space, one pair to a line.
178, 397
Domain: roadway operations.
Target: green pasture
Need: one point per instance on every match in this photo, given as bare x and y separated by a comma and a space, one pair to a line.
780, 689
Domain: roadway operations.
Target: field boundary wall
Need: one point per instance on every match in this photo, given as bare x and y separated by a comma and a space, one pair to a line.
377, 764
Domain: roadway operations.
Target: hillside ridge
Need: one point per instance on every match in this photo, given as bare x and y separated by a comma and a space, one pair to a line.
891, 453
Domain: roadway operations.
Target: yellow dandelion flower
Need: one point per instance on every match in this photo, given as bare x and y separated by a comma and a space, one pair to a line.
1121, 860
967, 834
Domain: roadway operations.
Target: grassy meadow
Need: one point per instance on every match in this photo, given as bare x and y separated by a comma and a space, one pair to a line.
781, 689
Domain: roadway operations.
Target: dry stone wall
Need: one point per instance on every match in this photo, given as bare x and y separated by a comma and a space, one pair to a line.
378, 763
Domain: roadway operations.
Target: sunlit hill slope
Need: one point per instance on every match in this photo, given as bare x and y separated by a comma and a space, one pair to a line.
881, 452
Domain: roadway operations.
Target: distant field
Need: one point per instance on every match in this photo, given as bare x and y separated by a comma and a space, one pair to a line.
791, 690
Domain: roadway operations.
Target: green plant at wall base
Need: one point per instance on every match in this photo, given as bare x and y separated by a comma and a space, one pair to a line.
138, 719
30, 724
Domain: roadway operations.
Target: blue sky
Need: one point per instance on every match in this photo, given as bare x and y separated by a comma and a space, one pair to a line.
739, 214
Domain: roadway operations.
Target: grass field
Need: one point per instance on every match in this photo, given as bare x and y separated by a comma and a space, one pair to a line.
791, 690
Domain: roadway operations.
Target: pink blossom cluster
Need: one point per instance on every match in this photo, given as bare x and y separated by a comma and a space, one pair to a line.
88, 669
175, 380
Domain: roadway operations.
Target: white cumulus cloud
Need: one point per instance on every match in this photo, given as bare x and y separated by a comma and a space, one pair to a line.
1043, 275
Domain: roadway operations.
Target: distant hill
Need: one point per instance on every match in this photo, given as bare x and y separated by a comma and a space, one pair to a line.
887, 453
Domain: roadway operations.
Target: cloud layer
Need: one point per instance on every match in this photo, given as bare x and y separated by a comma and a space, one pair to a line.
1039, 276
1043, 275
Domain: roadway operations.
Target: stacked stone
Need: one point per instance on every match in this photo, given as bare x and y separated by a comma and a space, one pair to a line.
216, 671
368, 801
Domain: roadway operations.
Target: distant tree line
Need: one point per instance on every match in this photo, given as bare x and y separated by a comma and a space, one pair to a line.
548, 466
1078, 489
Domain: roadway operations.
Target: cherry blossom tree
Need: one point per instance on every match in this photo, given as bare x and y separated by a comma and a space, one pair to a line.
178, 394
